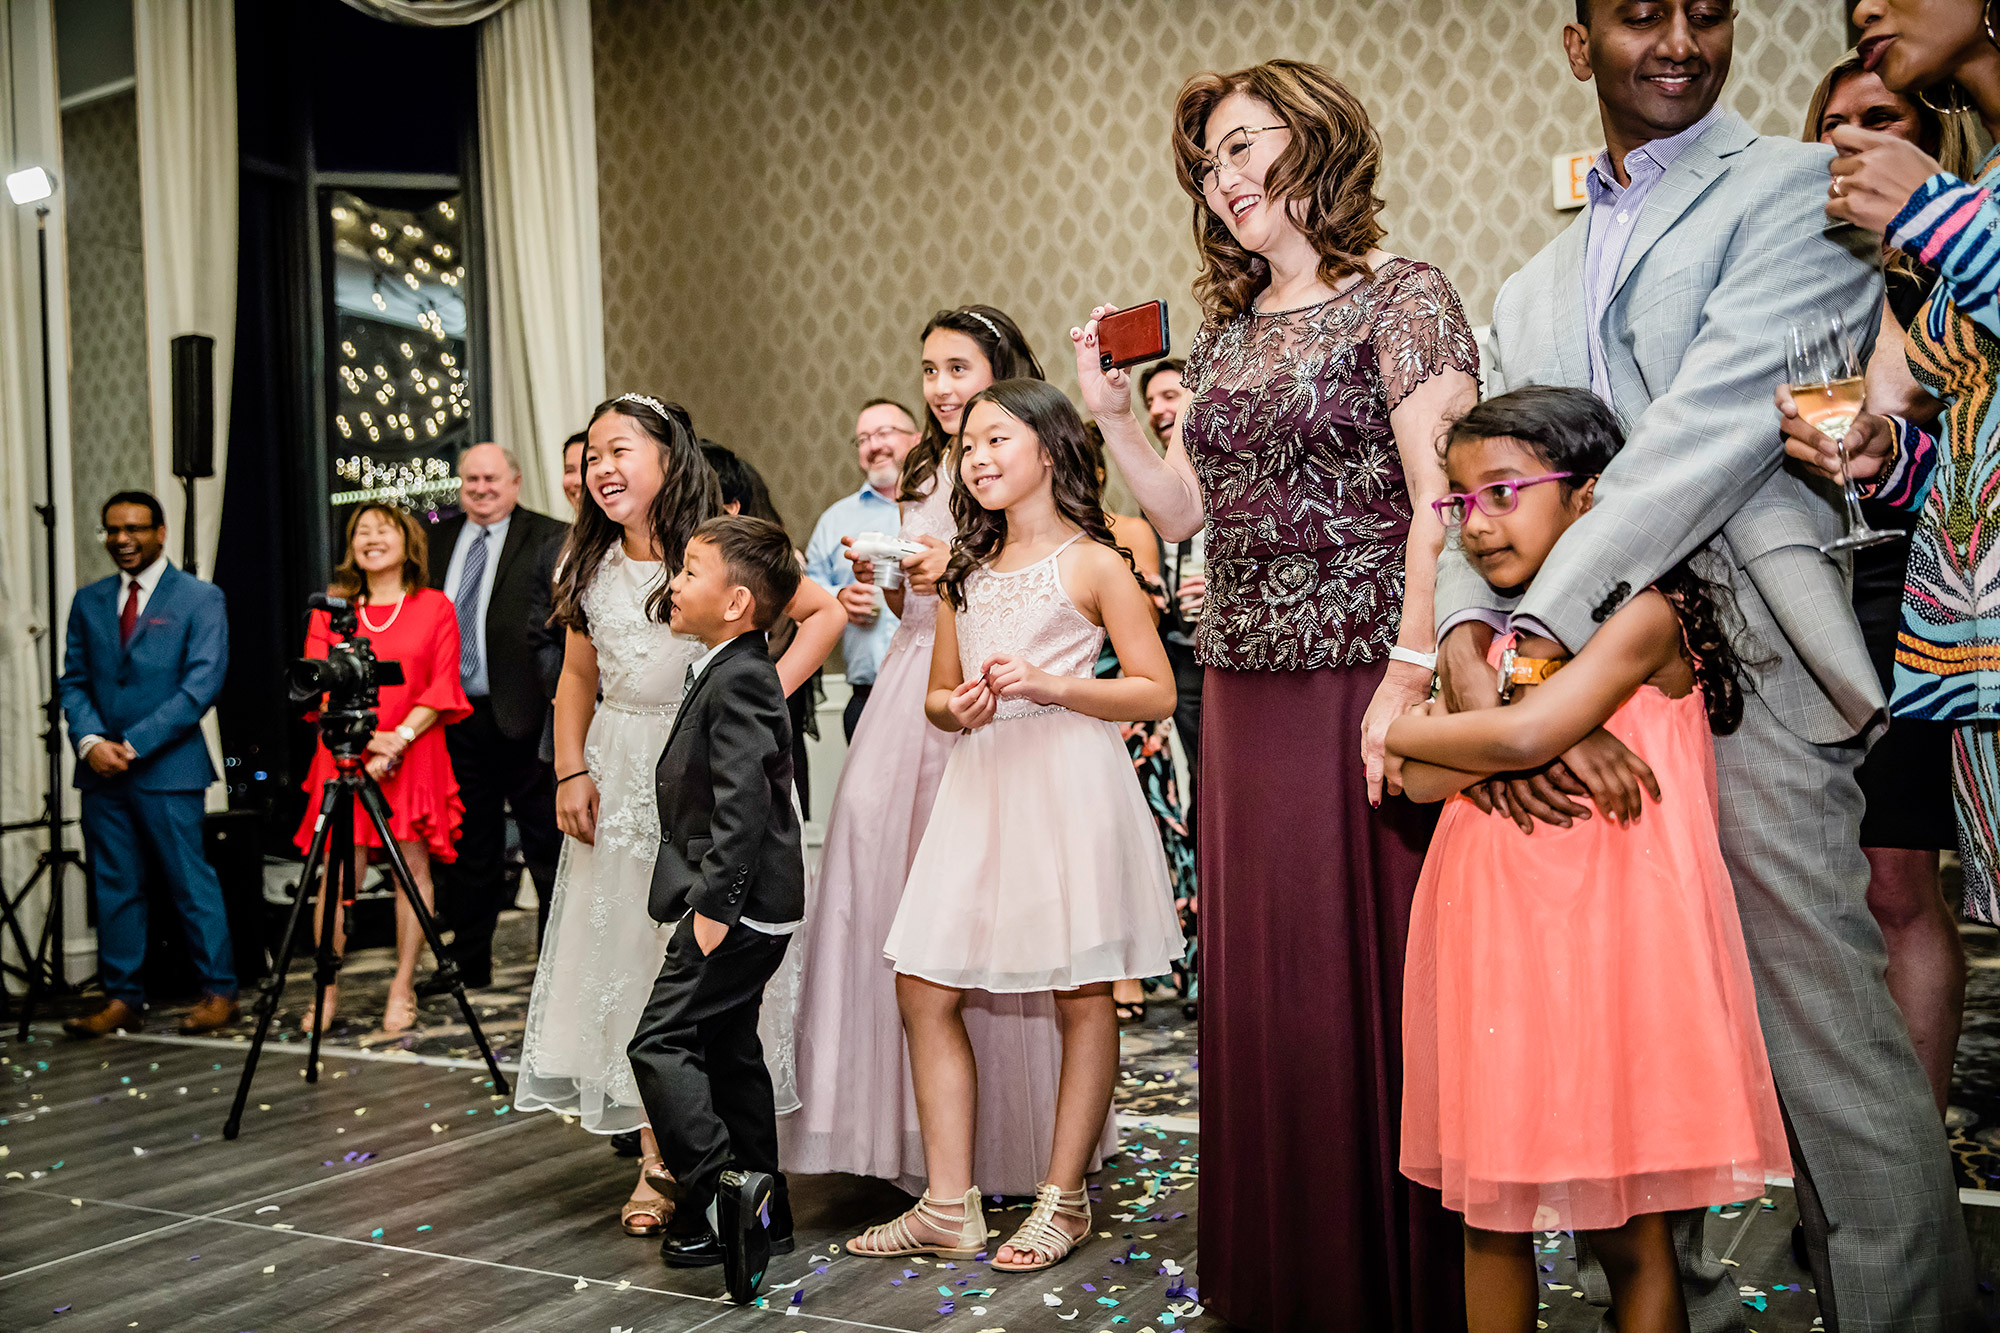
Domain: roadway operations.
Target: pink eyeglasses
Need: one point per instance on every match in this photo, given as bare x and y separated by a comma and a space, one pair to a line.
1493, 499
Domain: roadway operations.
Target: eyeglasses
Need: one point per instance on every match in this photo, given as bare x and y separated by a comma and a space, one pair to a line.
1492, 500
863, 439
128, 530
1233, 152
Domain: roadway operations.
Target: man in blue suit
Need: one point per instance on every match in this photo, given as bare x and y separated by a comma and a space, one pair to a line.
146, 654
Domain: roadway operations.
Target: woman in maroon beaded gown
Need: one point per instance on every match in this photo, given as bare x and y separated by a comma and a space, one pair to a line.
1319, 384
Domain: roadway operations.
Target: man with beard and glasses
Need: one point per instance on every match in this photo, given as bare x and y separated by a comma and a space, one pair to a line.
883, 434
1669, 297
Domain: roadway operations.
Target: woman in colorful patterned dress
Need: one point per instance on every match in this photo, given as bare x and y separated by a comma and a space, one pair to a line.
1906, 779
1947, 669
1318, 389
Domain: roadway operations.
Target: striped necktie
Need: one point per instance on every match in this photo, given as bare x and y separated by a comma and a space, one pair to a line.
466, 603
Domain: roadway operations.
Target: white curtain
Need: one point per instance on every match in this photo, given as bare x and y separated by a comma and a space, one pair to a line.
30, 136
184, 56
538, 155
184, 53
431, 13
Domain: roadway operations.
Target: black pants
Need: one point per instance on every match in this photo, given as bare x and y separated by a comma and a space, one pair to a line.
700, 1069
799, 703
495, 773
850, 717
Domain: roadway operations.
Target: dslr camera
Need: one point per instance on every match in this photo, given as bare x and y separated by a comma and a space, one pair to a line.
349, 677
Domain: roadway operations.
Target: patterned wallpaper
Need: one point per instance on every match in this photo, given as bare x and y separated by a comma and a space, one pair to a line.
789, 190
110, 417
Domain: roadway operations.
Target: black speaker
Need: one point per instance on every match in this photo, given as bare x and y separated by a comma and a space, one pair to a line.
194, 405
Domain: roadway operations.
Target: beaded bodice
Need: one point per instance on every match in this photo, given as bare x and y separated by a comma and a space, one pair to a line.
1026, 613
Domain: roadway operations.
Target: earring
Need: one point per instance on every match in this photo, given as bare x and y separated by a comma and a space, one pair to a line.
1986, 12
1957, 106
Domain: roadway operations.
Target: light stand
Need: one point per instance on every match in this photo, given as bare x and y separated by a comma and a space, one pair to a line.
42, 967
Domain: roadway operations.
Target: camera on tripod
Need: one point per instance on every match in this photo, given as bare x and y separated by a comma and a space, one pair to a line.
349, 677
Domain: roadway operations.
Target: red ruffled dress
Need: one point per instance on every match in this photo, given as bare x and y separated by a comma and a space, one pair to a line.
422, 634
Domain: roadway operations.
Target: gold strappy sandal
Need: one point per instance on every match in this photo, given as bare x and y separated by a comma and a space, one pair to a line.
889, 1240
656, 1212
1040, 1236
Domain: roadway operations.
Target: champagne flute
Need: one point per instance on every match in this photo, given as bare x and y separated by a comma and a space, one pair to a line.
1827, 389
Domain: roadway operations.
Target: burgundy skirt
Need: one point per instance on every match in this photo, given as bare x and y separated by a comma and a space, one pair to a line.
1306, 1222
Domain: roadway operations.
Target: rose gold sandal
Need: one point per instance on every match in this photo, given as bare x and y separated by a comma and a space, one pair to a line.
1040, 1236
894, 1239
652, 1173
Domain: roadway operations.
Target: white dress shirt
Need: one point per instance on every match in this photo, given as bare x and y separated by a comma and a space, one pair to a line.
477, 684
762, 927
145, 580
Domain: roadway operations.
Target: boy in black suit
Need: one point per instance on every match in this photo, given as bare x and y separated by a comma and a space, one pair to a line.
731, 872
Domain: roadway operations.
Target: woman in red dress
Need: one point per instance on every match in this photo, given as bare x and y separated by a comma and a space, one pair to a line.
383, 574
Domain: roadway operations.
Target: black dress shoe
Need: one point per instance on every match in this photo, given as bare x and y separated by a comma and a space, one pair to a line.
626, 1144
437, 983
697, 1250
743, 1217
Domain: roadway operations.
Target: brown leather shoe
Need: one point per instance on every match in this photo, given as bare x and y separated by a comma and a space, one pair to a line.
210, 1014
117, 1014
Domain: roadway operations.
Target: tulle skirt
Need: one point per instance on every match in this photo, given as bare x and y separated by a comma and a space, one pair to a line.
1041, 868
1580, 1037
860, 1113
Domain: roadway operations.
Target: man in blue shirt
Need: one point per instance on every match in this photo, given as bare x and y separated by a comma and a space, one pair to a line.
883, 434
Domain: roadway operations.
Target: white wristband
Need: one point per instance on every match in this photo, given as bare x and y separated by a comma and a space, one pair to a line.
1428, 661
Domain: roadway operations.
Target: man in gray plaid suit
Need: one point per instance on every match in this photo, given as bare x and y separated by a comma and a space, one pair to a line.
1670, 297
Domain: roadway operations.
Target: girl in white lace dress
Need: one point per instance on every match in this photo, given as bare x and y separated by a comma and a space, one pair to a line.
647, 487
860, 1112
1041, 870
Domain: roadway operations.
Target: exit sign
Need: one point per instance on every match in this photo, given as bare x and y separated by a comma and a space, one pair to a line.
1568, 171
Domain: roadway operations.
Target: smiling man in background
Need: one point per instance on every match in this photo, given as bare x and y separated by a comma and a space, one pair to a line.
496, 561
883, 434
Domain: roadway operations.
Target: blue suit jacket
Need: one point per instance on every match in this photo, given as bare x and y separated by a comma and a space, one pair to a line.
152, 692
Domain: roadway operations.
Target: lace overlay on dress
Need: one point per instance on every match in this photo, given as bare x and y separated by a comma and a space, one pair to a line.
603, 950
929, 517
1308, 509
1026, 613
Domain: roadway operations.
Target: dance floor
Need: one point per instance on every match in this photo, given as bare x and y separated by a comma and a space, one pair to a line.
399, 1193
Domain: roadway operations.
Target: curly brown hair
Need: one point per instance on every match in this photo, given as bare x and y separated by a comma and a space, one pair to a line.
351, 583
1326, 174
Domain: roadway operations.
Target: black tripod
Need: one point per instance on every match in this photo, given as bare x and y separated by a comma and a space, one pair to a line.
336, 827
42, 969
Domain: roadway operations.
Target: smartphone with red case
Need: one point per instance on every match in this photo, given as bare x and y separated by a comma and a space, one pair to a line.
1127, 337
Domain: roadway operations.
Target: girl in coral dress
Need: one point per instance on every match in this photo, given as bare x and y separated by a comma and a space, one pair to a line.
1040, 871
1581, 1049
405, 622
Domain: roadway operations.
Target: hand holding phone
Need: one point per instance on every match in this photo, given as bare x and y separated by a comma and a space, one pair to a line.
1128, 337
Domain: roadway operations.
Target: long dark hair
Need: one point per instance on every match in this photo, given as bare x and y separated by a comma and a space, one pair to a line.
689, 497
1007, 352
742, 484
1044, 409
1573, 431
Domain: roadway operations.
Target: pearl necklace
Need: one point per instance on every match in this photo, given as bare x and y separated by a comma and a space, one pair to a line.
374, 628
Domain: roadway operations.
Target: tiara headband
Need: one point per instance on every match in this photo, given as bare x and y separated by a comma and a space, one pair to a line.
991, 327
653, 403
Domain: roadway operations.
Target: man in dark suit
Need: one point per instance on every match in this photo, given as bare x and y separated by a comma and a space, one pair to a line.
731, 874
147, 649
497, 561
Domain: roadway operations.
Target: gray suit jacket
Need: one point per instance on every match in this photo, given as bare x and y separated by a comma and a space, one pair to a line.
1734, 244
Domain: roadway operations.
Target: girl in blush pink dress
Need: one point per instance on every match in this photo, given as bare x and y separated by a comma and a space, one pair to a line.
1580, 1041
858, 1113
1041, 871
